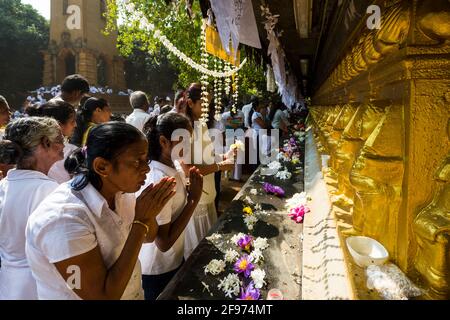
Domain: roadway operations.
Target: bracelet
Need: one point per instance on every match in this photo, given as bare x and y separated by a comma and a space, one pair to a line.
147, 228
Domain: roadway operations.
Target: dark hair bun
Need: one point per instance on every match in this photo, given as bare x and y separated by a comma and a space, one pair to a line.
10, 152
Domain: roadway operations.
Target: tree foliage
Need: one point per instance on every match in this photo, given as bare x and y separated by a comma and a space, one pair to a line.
184, 32
23, 34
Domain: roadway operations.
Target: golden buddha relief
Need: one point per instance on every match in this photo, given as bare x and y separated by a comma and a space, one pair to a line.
339, 124
377, 177
359, 128
432, 230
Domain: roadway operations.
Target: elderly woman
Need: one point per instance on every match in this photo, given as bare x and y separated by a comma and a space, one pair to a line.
34, 145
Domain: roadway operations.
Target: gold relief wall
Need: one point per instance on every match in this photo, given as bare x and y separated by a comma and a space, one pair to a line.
383, 117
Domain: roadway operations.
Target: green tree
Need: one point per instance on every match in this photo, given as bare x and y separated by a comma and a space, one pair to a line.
184, 32
23, 34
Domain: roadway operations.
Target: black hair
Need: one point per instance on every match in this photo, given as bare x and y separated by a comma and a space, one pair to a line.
108, 141
194, 92
75, 82
84, 116
163, 125
59, 110
10, 152
273, 110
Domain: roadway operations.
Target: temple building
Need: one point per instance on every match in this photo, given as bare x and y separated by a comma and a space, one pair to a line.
78, 45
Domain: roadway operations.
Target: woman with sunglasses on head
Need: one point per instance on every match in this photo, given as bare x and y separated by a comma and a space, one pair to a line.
83, 241
34, 145
65, 114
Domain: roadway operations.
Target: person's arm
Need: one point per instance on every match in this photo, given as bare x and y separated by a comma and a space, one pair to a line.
208, 169
261, 123
97, 282
169, 233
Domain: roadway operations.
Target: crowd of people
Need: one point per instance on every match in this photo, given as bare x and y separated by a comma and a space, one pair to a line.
97, 209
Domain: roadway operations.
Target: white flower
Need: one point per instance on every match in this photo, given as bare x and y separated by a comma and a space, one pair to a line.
250, 221
275, 165
256, 256
248, 200
230, 285
231, 255
253, 192
258, 205
215, 267
239, 145
298, 199
260, 244
283, 175
282, 157
258, 276
214, 237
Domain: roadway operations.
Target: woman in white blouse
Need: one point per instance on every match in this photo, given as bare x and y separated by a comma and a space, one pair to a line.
34, 144
205, 215
162, 259
83, 241
65, 114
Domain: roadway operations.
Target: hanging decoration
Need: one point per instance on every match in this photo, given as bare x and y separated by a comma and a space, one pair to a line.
135, 16
286, 82
204, 80
236, 93
218, 90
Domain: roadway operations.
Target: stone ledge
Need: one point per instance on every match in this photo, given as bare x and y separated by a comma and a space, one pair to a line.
325, 273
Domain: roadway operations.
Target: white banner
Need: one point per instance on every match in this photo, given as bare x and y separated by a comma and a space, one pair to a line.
236, 22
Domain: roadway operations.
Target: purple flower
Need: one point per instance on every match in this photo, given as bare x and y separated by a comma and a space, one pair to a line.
245, 243
278, 191
250, 292
244, 265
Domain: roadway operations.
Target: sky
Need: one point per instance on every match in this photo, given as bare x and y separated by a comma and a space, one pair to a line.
42, 6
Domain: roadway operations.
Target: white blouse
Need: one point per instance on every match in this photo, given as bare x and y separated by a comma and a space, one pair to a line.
70, 223
153, 260
57, 172
20, 194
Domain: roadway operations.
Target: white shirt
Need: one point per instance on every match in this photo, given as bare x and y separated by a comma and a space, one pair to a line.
278, 118
20, 193
156, 110
255, 124
205, 147
138, 118
246, 110
70, 223
57, 172
153, 260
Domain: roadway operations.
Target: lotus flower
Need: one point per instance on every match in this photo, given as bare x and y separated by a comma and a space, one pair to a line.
246, 243
250, 292
269, 188
244, 265
298, 213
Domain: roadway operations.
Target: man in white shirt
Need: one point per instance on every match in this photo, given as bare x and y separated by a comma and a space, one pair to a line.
139, 117
254, 101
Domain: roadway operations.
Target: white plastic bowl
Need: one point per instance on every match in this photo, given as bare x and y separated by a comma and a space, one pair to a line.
367, 251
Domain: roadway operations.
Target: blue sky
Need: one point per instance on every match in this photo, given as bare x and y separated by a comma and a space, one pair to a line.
42, 6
